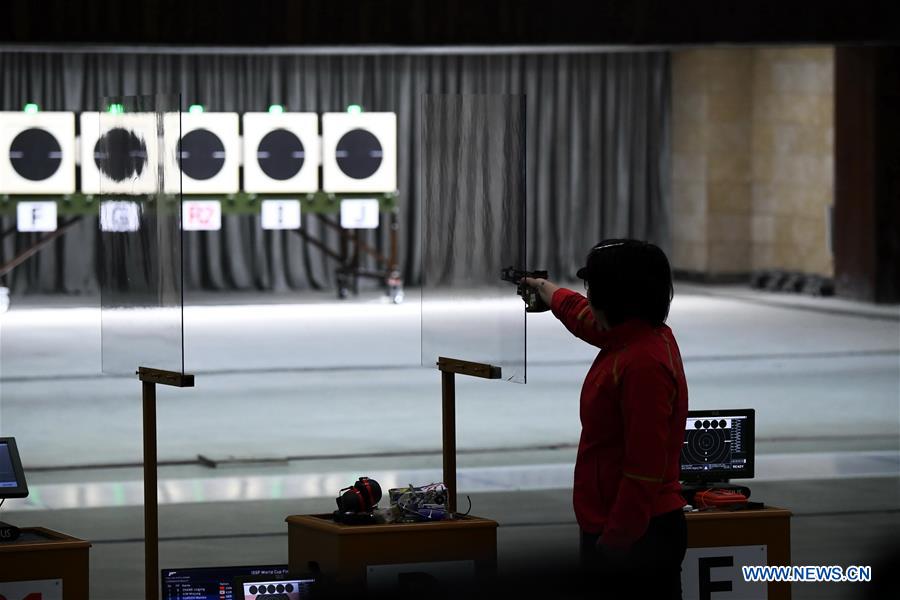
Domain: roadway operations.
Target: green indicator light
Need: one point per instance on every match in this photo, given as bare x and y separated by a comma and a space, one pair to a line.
276, 109
354, 109
195, 108
116, 108
31, 108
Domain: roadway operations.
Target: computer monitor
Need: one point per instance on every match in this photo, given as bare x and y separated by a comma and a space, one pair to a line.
718, 445
215, 583
12, 477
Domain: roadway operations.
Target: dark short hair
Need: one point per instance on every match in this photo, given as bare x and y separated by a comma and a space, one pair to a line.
629, 279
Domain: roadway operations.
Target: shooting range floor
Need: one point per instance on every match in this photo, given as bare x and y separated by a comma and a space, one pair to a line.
296, 396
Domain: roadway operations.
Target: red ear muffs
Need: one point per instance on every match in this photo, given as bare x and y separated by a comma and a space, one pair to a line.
363, 496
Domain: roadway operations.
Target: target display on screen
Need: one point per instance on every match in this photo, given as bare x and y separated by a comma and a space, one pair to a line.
208, 153
37, 153
708, 443
281, 152
359, 152
718, 444
119, 154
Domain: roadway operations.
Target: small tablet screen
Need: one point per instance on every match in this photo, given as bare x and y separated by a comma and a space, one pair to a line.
289, 589
12, 478
718, 445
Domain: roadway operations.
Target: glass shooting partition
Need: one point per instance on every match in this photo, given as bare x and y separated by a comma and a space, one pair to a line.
472, 161
140, 270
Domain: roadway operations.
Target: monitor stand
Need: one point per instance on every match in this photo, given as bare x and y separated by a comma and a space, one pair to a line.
689, 488
705, 485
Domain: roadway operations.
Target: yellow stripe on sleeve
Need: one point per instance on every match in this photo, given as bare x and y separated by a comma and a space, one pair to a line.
642, 478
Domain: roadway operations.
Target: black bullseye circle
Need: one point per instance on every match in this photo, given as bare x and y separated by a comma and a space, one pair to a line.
35, 154
709, 446
201, 154
120, 154
359, 154
280, 154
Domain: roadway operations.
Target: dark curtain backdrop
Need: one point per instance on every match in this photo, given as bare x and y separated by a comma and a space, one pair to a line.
597, 148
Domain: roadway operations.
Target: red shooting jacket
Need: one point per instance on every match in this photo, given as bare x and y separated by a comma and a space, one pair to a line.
634, 404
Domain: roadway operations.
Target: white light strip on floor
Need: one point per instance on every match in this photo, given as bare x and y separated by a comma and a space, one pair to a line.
827, 465
769, 467
197, 315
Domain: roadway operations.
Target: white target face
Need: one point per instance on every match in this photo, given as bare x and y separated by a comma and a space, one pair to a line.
120, 154
37, 153
281, 152
208, 153
359, 152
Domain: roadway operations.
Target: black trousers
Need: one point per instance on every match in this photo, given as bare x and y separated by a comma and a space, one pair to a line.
650, 569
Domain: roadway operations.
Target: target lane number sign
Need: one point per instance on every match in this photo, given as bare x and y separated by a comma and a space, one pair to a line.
359, 213
201, 215
119, 217
715, 573
38, 589
36, 216
280, 214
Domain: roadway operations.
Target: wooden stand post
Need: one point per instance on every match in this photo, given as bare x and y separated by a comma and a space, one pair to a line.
449, 368
149, 378
448, 422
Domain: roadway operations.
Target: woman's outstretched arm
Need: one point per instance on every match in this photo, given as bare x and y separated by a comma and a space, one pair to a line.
571, 308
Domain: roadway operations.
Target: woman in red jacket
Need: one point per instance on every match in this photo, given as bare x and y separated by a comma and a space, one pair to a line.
634, 404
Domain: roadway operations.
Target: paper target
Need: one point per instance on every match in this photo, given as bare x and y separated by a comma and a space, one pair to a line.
37, 153
281, 152
208, 153
119, 153
359, 152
